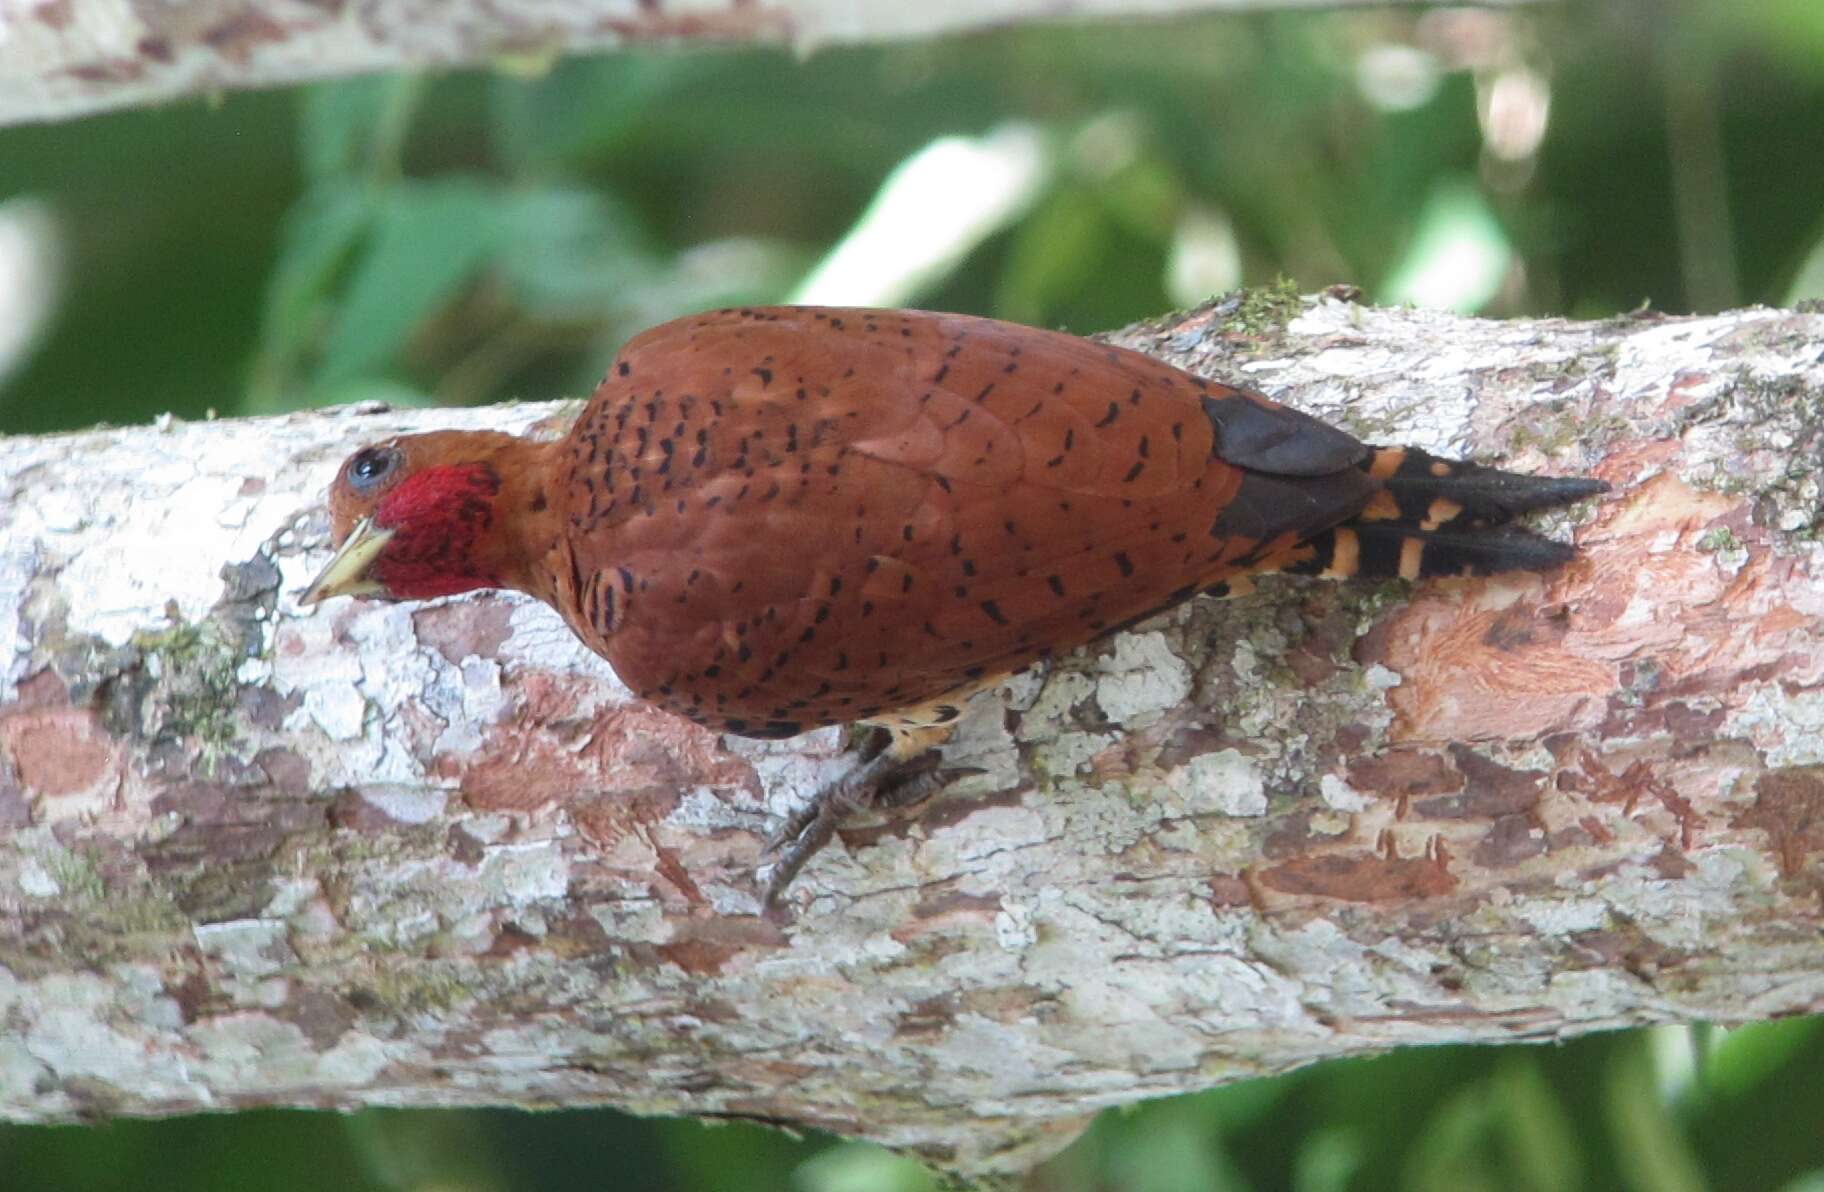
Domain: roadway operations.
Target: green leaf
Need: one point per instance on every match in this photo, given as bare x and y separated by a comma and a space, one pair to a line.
585, 105
862, 1167
1145, 197
1327, 1161
1650, 1148
1054, 253
321, 230
572, 253
429, 240
1540, 1140
1808, 278
1176, 1152
356, 126
1458, 255
1747, 1055
739, 271
1451, 1153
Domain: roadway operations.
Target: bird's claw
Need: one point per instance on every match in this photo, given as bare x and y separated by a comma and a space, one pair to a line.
879, 782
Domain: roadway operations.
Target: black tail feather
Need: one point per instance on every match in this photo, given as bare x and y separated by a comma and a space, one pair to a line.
1429, 493
1389, 550
1437, 517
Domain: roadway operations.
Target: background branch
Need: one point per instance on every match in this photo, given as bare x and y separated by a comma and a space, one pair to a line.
434, 855
65, 58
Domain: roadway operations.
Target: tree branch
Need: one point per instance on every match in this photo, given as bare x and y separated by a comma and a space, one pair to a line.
434, 855
65, 58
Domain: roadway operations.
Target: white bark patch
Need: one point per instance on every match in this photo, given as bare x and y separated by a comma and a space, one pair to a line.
35, 880
406, 804
1787, 726
541, 639
1338, 795
1143, 679
791, 772
1224, 782
1062, 691
246, 947
1561, 918
520, 874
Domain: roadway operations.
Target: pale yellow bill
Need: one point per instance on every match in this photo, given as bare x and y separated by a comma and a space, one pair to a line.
346, 574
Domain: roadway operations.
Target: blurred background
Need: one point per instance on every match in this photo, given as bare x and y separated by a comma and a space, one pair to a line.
498, 234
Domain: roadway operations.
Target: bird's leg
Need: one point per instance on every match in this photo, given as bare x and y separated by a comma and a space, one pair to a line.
895, 773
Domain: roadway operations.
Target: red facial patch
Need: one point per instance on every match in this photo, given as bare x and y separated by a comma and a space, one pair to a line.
438, 517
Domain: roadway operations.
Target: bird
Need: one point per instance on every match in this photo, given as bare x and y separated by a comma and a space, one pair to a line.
772, 519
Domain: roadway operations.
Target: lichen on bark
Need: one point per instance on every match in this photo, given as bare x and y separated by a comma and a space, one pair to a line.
434, 854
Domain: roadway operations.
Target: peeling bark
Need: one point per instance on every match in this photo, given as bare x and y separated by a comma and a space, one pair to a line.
66, 58
435, 855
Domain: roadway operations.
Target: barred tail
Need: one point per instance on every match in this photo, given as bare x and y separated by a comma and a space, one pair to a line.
1429, 493
1436, 517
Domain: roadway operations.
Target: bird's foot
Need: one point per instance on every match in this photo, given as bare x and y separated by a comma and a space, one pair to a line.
897, 774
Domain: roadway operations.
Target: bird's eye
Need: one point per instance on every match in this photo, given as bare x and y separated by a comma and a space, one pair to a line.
370, 466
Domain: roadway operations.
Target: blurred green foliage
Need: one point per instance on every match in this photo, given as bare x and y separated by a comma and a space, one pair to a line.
472, 237
467, 238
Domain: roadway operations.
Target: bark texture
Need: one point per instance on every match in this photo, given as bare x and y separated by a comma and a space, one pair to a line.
436, 855
65, 58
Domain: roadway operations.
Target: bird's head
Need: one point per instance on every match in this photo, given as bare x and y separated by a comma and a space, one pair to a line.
426, 515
